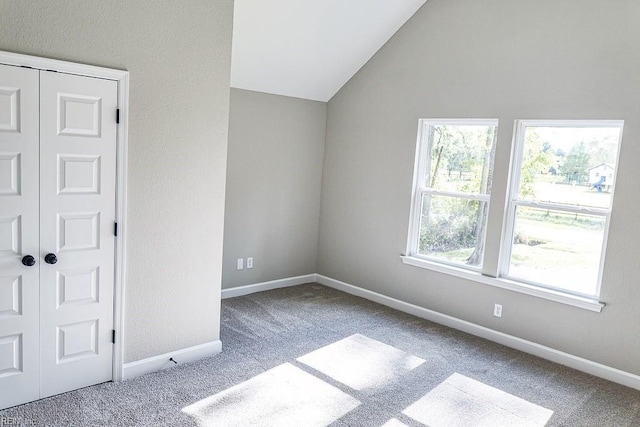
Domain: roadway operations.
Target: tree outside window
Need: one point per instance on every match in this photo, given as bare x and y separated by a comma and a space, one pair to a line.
456, 164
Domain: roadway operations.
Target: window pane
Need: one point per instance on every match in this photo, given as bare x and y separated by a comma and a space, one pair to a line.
569, 165
453, 229
461, 158
557, 249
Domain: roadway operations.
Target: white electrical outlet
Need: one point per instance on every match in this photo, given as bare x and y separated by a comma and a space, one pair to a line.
240, 264
497, 310
250, 262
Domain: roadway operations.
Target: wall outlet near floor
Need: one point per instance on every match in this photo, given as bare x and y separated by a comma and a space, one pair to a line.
497, 310
250, 262
240, 264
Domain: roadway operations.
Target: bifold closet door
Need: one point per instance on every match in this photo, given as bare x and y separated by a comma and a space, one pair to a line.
57, 216
77, 218
19, 222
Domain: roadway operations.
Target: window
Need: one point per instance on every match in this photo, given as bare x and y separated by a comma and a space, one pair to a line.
560, 203
454, 172
554, 220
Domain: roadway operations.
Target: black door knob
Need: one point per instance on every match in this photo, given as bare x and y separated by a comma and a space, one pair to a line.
50, 258
28, 260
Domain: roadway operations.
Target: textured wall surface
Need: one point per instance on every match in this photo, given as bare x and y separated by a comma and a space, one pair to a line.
502, 59
274, 173
178, 56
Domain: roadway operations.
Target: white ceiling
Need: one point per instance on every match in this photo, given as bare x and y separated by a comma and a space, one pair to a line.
309, 48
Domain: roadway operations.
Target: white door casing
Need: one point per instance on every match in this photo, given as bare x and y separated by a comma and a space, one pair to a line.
58, 145
19, 182
77, 218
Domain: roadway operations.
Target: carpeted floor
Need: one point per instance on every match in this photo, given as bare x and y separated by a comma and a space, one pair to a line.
313, 356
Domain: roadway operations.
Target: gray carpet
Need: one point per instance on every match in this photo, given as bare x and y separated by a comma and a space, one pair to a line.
342, 361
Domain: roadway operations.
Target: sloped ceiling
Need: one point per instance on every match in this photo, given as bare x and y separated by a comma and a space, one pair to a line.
309, 48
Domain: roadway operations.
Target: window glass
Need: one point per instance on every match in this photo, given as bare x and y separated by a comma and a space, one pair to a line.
461, 158
452, 229
569, 165
559, 249
565, 176
454, 177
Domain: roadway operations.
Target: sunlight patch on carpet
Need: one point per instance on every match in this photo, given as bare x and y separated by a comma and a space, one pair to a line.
282, 396
462, 401
361, 363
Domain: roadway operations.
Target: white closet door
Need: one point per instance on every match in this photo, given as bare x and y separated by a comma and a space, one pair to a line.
19, 361
77, 217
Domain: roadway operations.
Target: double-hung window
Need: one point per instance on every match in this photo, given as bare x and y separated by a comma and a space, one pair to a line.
554, 219
454, 172
563, 175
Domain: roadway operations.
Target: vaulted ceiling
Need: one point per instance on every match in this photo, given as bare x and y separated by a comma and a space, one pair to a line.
309, 48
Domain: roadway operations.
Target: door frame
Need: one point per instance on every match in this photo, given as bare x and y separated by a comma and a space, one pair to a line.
122, 78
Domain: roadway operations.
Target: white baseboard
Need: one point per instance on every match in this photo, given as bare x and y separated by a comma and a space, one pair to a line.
267, 286
156, 363
575, 362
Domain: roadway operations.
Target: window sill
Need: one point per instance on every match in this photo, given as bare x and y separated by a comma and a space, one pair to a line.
512, 285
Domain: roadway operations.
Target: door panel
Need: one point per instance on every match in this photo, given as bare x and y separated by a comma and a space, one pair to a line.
19, 182
77, 200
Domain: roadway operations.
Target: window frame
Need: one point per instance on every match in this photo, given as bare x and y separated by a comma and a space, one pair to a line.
422, 169
513, 202
491, 273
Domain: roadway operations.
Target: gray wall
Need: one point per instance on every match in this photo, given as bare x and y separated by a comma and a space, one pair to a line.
505, 59
179, 58
274, 174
